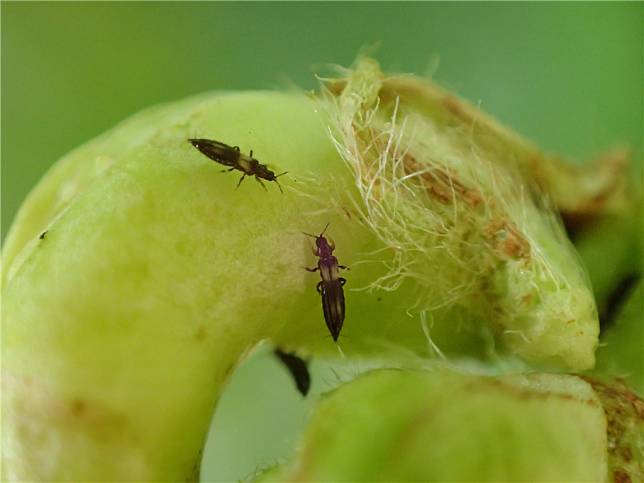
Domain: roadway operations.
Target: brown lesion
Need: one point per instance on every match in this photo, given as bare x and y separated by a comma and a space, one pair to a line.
78, 407
201, 334
41, 406
506, 239
620, 476
580, 203
525, 393
440, 183
581, 193
624, 411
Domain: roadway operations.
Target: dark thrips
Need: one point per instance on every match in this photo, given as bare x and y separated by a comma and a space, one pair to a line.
231, 156
43, 235
330, 288
298, 368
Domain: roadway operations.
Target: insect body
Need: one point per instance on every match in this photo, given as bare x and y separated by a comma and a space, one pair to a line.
231, 156
330, 288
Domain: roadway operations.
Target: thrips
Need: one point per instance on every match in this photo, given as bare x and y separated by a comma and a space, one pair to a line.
231, 156
330, 288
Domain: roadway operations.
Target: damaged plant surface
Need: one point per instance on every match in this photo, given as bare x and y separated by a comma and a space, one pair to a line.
135, 277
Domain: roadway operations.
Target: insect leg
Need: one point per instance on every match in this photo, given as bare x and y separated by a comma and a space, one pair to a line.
226, 170
342, 281
319, 287
312, 269
344, 267
236, 148
240, 180
251, 153
260, 182
279, 186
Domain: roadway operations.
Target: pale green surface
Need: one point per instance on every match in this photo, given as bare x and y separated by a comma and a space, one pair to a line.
122, 356
453, 427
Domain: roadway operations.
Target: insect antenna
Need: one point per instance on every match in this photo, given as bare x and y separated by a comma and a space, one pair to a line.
317, 236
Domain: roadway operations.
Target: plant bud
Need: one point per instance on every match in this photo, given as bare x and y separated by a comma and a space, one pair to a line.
440, 425
136, 276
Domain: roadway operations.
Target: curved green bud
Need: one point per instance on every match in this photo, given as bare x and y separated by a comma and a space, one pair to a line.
439, 425
154, 277
136, 276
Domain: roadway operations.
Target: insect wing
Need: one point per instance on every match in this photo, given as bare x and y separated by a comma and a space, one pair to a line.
219, 152
333, 306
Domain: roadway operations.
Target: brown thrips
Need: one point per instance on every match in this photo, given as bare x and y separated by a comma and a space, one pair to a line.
330, 288
233, 157
298, 368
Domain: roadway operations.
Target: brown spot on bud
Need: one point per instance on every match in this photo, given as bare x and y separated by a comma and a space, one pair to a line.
78, 407
620, 476
506, 239
201, 334
441, 184
624, 412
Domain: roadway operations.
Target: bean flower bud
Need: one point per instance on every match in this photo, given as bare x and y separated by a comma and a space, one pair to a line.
137, 276
441, 425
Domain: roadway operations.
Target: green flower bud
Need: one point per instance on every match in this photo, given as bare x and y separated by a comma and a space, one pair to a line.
439, 425
136, 276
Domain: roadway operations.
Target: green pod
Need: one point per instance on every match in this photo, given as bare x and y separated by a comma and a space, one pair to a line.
441, 425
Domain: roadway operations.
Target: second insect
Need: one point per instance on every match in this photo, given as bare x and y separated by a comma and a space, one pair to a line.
231, 156
331, 286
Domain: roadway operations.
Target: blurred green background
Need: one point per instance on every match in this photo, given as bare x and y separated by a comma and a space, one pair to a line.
569, 76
